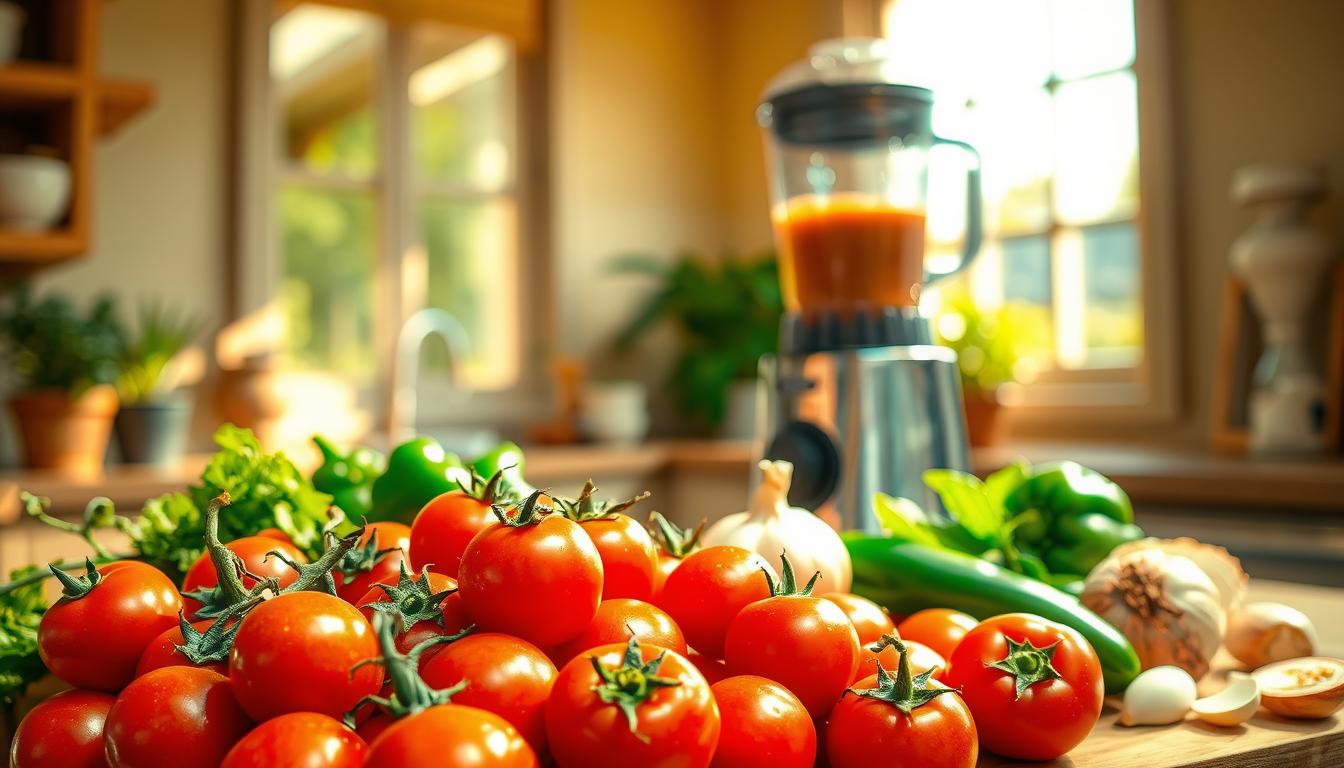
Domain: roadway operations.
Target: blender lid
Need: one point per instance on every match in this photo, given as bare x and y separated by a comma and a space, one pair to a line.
844, 93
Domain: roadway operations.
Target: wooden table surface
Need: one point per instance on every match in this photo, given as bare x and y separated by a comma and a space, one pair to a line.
1266, 741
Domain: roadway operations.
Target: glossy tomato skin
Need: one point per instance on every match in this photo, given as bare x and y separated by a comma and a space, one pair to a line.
254, 552
162, 652
940, 734
922, 659
387, 568
870, 621
507, 676
763, 724
294, 654
804, 643
613, 623
95, 641
175, 716
64, 731
444, 528
541, 582
938, 628
679, 724
298, 740
629, 557
1051, 717
666, 565
450, 736
275, 533
706, 592
454, 615
712, 669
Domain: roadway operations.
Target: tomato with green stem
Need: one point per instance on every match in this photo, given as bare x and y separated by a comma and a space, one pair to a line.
173, 717
616, 621
202, 598
625, 704
629, 559
1034, 686
376, 559
938, 628
870, 620
922, 658
163, 651
674, 544
763, 724
424, 607
805, 643
63, 731
707, 591
298, 739
93, 636
531, 574
908, 718
445, 526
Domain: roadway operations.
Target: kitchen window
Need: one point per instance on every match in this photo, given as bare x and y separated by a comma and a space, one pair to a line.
390, 157
1056, 95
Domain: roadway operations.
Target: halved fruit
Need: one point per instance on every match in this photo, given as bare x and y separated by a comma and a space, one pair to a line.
1308, 688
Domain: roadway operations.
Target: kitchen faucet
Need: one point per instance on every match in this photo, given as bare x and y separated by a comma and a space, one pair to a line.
431, 321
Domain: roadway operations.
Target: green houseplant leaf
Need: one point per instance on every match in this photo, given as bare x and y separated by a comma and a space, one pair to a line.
49, 344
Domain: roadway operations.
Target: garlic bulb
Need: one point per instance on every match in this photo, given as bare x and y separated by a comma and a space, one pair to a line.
1263, 633
1222, 568
1165, 604
771, 526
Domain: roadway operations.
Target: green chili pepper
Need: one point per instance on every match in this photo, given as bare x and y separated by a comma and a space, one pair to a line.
348, 477
1070, 516
417, 471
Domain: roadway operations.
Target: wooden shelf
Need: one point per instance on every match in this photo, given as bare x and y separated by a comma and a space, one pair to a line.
119, 100
38, 247
26, 84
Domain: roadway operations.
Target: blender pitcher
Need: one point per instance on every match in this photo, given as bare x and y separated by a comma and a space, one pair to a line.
848, 148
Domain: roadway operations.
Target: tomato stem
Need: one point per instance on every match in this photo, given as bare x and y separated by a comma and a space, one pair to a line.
75, 587
412, 600
787, 586
906, 692
631, 684
227, 564
1027, 664
675, 541
586, 507
529, 511
410, 692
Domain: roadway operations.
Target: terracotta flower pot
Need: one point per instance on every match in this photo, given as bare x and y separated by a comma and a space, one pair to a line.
65, 433
982, 418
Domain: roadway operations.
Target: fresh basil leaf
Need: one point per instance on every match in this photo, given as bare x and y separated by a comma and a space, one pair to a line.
903, 519
965, 498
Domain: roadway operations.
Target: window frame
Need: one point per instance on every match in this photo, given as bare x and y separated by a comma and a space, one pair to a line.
257, 265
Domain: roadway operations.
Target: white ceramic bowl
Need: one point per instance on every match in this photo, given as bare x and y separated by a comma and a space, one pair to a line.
615, 412
34, 192
11, 28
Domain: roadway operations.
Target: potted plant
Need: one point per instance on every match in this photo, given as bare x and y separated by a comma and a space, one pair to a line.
63, 364
727, 317
155, 409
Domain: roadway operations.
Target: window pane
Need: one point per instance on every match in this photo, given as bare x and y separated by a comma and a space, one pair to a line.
969, 48
327, 283
473, 273
1097, 142
1114, 313
1026, 270
462, 93
1091, 36
324, 65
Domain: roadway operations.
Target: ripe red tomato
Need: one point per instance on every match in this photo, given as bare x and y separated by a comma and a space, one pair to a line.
450, 736
172, 717
444, 528
540, 580
64, 731
676, 721
938, 628
254, 552
615, 621
804, 643
713, 669
763, 724
709, 589
1034, 686
629, 559
275, 533
673, 543
299, 739
936, 734
922, 659
666, 565
507, 676
412, 595
162, 652
376, 559
870, 621
95, 640
294, 653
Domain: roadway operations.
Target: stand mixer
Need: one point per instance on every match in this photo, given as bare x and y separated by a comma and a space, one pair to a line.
858, 398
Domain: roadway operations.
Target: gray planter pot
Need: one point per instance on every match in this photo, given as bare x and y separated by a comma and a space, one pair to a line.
155, 433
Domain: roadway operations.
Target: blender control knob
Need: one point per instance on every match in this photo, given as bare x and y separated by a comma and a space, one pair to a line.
815, 459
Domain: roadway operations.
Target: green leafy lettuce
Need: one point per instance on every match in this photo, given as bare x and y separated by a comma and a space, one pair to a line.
20, 614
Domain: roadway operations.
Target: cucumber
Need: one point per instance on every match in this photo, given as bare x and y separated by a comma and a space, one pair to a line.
906, 577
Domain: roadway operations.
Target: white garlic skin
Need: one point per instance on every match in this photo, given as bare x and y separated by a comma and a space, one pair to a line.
1158, 696
1233, 705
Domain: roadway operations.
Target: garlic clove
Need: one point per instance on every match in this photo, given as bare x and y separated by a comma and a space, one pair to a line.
1233, 705
1263, 633
1310, 688
1158, 696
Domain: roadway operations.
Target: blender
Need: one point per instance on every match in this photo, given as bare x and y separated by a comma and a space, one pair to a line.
858, 397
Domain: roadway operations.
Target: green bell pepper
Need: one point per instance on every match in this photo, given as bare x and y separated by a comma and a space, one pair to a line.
1070, 516
417, 471
507, 458
348, 477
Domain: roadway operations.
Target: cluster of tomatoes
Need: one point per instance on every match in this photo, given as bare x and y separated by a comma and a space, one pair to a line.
524, 637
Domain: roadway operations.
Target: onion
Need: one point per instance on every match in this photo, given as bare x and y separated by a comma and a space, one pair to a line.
1262, 633
771, 526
